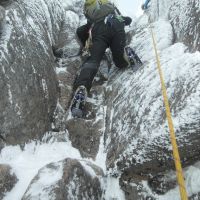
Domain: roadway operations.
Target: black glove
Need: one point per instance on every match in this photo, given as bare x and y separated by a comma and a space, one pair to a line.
127, 21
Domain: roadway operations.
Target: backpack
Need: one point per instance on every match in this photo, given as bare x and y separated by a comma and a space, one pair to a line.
97, 10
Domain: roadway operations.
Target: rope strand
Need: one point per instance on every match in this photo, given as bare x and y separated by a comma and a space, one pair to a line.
177, 161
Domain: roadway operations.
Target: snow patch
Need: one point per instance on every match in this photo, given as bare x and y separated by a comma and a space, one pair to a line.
113, 190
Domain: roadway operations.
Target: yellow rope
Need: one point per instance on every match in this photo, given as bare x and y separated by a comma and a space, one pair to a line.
179, 172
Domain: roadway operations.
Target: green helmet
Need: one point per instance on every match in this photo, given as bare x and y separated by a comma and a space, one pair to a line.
89, 2
94, 2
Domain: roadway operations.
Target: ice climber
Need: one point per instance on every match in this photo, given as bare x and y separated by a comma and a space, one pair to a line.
107, 27
145, 5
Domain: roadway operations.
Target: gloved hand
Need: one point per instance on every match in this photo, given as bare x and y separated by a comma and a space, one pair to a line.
145, 5
109, 20
127, 21
142, 7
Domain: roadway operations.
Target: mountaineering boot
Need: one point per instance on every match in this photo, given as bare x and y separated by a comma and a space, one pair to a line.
133, 59
78, 102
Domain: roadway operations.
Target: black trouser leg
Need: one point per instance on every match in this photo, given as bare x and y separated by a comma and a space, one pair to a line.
87, 73
117, 45
83, 33
90, 67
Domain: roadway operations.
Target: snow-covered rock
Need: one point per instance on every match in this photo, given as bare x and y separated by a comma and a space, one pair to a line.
125, 131
67, 179
138, 143
85, 135
29, 87
184, 16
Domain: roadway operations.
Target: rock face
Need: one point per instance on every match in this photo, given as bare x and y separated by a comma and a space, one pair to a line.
5, 3
67, 179
66, 75
195, 197
136, 128
186, 22
7, 180
184, 17
28, 82
85, 136
2, 19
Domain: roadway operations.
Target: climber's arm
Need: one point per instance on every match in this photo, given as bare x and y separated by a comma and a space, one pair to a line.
145, 5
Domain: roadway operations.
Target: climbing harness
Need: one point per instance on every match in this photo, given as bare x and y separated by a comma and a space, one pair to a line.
89, 40
109, 20
179, 171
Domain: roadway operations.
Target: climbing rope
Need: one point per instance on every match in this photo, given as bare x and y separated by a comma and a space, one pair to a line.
179, 171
